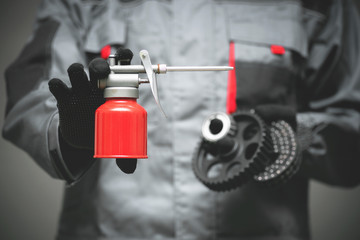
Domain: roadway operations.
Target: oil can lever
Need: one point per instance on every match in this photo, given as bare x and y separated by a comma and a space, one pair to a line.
146, 62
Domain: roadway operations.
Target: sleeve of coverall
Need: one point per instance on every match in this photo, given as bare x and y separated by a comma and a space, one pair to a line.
333, 96
31, 114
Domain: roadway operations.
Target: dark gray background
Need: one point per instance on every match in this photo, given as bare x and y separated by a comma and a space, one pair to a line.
30, 200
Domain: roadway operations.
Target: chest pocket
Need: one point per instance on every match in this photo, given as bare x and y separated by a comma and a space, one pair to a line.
270, 47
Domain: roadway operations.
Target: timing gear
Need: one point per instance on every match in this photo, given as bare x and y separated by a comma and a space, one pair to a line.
288, 160
233, 150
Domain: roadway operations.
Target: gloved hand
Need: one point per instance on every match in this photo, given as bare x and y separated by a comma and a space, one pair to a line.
124, 56
274, 112
77, 105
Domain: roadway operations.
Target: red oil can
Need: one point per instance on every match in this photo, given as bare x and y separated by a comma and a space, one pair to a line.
121, 123
120, 129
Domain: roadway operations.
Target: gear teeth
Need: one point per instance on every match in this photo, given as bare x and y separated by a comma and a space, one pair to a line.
267, 150
262, 157
233, 128
288, 162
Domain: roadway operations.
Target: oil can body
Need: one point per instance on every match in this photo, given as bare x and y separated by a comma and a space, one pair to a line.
120, 129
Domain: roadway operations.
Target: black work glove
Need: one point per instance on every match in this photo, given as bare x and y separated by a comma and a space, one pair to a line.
274, 112
77, 105
127, 165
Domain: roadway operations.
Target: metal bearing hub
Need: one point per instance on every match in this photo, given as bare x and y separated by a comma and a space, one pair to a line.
287, 162
232, 150
217, 126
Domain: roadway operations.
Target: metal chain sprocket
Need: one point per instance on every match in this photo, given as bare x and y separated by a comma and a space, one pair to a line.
249, 149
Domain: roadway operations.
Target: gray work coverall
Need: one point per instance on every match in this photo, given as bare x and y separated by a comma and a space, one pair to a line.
163, 199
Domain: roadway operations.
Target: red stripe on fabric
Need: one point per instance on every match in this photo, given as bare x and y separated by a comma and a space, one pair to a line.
105, 52
231, 88
277, 49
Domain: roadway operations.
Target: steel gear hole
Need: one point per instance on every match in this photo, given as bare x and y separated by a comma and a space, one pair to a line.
250, 150
216, 126
250, 131
214, 171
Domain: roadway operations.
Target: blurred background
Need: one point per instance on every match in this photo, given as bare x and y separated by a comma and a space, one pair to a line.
30, 200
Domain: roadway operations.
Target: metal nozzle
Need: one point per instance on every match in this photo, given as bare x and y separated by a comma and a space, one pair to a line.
197, 68
162, 68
